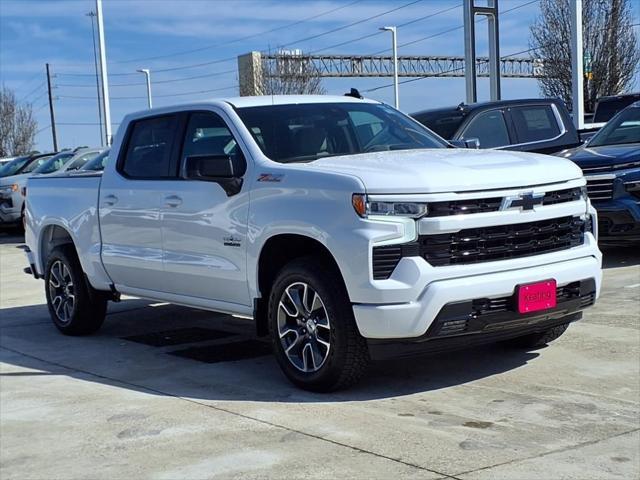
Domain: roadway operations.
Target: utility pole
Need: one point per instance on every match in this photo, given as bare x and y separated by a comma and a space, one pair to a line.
147, 75
91, 15
577, 93
53, 117
103, 70
394, 46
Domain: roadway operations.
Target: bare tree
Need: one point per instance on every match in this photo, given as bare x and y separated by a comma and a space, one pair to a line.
17, 125
608, 38
290, 73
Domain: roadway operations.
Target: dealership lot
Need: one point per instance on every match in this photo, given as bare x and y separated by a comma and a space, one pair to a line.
165, 391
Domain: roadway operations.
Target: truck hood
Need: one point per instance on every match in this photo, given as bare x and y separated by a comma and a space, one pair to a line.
604, 156
20, 179
449, 170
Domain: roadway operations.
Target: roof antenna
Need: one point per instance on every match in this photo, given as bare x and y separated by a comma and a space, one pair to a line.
354, 93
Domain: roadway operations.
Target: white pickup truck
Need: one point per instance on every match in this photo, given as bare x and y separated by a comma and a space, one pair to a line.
344, 228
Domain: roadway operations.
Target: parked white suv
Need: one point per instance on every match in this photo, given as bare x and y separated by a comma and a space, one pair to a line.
346, 229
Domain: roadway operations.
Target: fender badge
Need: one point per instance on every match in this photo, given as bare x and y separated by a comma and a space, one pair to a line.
270, 177
232, 241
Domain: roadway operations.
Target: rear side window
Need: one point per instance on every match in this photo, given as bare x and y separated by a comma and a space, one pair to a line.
149, 148
535, 123
489, 128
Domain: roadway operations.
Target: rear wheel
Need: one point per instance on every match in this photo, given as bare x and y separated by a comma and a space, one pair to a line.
538, 340
314, 334
75, 307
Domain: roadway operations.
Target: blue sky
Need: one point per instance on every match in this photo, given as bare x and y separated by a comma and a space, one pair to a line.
33, 32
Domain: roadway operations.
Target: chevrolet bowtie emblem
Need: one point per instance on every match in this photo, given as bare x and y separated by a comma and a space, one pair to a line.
525, 201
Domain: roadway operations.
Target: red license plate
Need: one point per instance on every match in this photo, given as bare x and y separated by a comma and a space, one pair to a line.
536, 296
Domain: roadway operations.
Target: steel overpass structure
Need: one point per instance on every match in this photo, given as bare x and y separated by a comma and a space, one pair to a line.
255, 66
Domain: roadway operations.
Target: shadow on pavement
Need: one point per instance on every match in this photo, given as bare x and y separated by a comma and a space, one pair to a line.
614, 257
10, 235
111, 357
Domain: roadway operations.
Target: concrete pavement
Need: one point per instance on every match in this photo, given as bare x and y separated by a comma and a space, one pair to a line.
147, 397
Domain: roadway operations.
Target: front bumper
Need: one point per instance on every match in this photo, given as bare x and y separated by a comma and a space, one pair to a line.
619, 221
10, 207
414, 318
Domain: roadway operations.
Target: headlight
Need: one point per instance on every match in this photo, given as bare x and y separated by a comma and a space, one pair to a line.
633, 186
584, 192
14, 187
365, 208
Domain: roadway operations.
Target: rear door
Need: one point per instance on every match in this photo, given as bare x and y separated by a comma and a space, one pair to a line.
539, 128
489, 127
130, 202
205, 230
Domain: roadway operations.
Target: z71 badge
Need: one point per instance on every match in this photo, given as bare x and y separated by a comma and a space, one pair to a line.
270, 177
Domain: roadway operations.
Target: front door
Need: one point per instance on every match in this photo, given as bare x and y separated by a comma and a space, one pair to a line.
130, 202
204, 230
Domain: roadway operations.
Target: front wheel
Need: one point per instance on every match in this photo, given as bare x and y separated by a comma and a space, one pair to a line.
75, 307
313, 330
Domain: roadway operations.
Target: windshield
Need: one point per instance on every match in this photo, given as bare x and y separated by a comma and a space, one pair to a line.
14, 166
54, 163
35, 164
307, 132
621, 129
81, 160
98, 163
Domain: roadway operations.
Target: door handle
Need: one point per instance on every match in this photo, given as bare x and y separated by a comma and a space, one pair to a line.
110, 200
172, 201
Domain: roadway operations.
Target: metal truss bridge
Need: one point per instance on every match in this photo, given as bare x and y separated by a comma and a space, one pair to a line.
408, 66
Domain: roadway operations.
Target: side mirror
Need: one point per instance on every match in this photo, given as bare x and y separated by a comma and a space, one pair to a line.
473, 143
213, 168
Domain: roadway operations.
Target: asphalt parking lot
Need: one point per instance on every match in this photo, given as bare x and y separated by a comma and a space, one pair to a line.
169, 392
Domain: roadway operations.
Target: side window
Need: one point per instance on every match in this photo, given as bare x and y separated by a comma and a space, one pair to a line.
149, 149
488, 127
208, 134
534, 123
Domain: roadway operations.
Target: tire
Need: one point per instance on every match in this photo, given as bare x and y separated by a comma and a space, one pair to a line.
75, 307
319, 349
538, 340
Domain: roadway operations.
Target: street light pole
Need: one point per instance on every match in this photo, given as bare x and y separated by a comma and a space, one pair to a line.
147, 75
91, 15
103, 73
394, 42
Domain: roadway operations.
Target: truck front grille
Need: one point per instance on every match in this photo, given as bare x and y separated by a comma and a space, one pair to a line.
483, 205
600, 187
485, 244
502, 242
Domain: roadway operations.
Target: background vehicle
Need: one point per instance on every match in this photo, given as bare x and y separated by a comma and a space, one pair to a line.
611, 164
13, 178
541, 125
346, 229
98, 163
608, 107
80, 159
54, 163
6, 160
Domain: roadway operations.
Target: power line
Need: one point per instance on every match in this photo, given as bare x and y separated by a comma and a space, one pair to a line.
42, 129
234, 58
40, 85
453, 29
353, 40
172, 80
28, 82
411, 80
247, 37
81, 97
